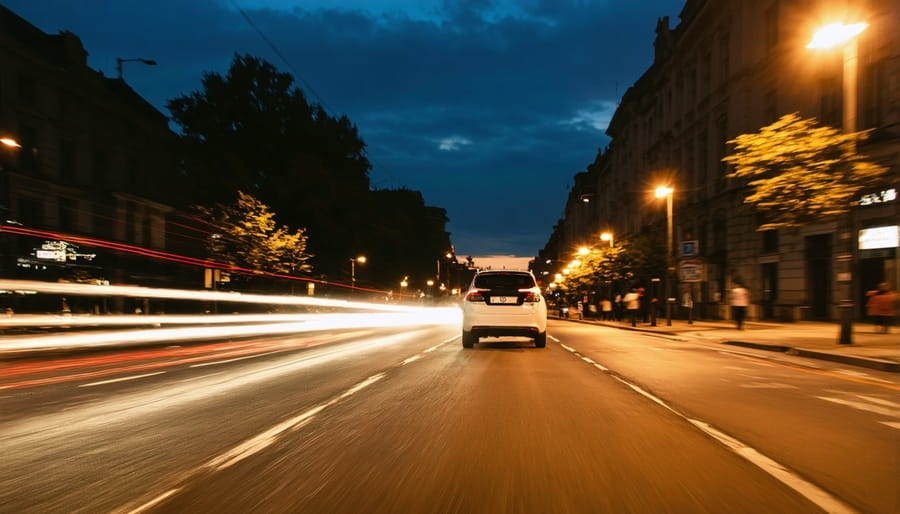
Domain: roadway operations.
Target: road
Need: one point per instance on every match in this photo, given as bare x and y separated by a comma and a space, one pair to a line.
602, 420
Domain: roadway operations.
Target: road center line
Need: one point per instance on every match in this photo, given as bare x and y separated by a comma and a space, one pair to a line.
781, 473
256, 443
122, 379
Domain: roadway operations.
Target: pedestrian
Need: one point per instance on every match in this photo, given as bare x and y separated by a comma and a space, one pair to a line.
632, 302
606, 309
592, 310
740, 300
881, 306
619, 307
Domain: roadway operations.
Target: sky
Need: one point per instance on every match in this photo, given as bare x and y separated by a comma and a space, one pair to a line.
488, 107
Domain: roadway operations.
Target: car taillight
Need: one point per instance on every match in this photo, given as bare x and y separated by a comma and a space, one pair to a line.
474, 296
533, 295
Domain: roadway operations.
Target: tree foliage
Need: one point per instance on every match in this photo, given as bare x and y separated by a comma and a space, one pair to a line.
248, 237
253, 130
801, 172
632, 260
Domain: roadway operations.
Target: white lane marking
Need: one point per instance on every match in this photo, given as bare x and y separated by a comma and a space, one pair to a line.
122, 379
442, 343
152, 503
807, 489
877, 409
226, 361
265, 439
555, 340
880, 401
200, 377
411, 359
861, 374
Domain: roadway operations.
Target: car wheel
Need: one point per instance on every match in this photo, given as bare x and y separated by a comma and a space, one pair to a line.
540, 340
468, 339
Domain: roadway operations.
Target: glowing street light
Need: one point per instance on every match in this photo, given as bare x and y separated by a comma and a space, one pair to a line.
10, 142
830, 36
362, 260
584, 250
667, 193
839, 34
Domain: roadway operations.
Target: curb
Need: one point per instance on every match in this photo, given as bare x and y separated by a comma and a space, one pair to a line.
853, 360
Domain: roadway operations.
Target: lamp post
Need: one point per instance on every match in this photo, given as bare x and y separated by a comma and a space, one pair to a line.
830, 36
119, 61
607, 236
362, 260
668, 192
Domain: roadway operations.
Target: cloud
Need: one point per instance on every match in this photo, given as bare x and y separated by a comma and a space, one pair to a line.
453, 143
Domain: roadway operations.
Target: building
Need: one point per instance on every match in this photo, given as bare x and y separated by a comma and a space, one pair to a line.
89, 165
731, 67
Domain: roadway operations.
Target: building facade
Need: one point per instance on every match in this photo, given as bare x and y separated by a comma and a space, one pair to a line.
731, 67
89, 165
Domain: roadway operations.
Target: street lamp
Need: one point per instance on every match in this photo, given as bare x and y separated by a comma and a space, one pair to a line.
119, 61
10, 142
668, 192
830, 36
362, 260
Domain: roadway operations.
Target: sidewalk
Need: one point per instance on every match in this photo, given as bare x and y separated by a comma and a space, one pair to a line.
870, 348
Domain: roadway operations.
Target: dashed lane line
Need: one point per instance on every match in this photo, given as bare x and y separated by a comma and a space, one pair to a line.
807, 489
121, 379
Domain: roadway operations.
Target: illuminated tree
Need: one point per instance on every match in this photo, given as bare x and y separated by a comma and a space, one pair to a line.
801, 172
248, 237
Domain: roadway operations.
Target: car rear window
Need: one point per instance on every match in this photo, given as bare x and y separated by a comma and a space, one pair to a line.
504, 281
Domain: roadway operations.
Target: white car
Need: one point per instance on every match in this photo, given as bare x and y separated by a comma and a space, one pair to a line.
504, 303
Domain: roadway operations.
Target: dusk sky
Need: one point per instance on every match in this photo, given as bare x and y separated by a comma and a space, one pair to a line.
488, 107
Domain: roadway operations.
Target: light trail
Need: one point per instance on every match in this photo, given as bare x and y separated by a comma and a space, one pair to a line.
179, 294
321, 322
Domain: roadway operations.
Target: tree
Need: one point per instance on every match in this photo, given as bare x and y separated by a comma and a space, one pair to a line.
800, 172
249, 238
253, 130
633, 259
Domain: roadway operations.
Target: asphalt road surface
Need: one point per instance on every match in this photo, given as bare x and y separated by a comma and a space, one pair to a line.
602, 420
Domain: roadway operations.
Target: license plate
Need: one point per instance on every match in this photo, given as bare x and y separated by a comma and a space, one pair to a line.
504, 299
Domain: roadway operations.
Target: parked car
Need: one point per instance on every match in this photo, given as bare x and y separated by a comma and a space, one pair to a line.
504, 303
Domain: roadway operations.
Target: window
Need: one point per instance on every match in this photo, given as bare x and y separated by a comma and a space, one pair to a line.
27, 91
31, 211
66, 214
770, 241
29, 151
98, 170
830, 101
67, 160
874, 88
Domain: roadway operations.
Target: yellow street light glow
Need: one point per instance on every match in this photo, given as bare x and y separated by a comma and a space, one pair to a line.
558, 277
835, 34
575, 263
566, 271
606, 236
361, 259
583, 250
663, 191
10, 142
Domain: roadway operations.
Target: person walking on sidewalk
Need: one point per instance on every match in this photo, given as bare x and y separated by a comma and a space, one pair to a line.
606, 309
881, 306
740, 300
632, 303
